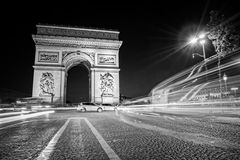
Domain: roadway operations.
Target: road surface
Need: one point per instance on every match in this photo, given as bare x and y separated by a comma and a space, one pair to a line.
123, 134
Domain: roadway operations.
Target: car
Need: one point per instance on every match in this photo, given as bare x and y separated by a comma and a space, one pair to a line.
89, 106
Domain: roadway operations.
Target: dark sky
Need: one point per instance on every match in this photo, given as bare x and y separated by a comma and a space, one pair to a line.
152, 36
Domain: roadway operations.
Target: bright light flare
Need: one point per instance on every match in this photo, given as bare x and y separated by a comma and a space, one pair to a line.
193, 40
202, 41
197, 38
224, 77
202, 35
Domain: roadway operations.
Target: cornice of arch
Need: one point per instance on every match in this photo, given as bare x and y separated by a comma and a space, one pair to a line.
76, 42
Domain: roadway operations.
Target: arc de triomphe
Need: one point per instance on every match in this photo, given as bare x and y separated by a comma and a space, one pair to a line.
59, 48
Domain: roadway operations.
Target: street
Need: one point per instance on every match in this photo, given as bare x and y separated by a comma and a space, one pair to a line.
122, 134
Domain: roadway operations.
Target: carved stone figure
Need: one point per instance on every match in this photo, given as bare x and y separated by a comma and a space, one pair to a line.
107, 84
47, 84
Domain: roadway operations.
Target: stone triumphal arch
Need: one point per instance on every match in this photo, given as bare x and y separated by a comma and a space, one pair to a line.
59, 48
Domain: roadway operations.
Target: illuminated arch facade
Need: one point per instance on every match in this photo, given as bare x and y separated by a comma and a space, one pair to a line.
58, 49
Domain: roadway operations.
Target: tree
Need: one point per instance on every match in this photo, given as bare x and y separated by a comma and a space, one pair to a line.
224, 35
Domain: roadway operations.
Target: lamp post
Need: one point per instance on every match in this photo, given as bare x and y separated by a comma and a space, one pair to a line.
202, 41
225, 81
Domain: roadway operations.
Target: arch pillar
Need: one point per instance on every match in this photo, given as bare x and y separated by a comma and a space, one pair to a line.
54, 78
105, 85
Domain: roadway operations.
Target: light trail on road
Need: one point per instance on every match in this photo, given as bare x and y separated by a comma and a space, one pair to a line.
21, 117
197, 138
217, 84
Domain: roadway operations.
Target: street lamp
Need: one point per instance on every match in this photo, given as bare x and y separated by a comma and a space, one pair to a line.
201, 40
225, 81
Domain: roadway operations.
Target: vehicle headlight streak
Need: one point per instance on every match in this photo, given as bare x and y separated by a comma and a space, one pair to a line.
198, 84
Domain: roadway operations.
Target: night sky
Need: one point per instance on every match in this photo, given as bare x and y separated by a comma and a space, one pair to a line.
152, 35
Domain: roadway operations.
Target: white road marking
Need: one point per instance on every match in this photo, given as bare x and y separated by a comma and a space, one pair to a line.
45, 154
109, 151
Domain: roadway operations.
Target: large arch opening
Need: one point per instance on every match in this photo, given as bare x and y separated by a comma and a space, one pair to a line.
77, 79
78, 84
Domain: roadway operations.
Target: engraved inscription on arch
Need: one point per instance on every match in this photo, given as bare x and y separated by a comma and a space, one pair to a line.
105, 59
48, 56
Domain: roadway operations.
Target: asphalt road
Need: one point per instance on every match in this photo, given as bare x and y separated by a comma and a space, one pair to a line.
127, 134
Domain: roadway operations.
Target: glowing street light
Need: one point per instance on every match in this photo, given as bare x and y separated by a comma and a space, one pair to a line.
225, 77
225, 80
202, 41
202, 35
193, 40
